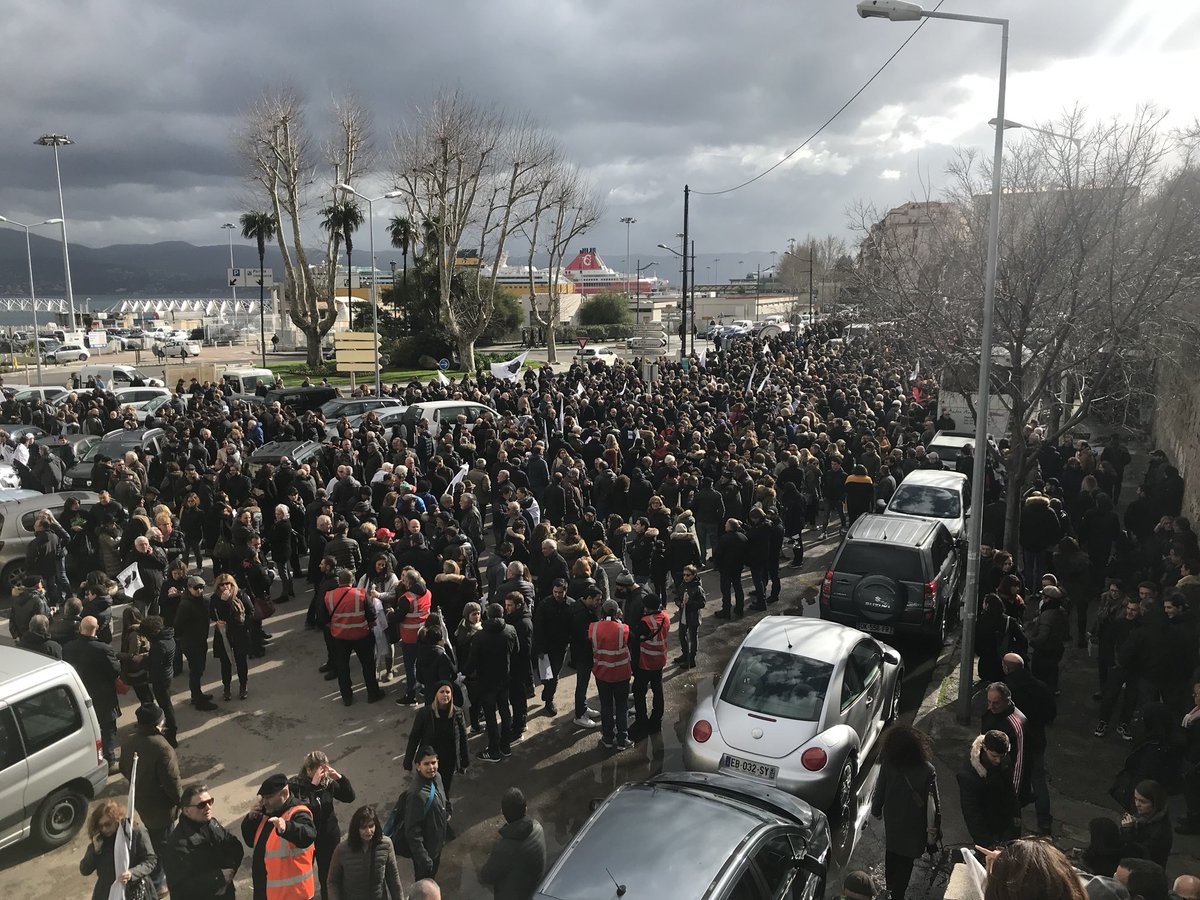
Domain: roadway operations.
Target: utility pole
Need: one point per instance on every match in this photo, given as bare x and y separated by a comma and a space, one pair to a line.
683, 313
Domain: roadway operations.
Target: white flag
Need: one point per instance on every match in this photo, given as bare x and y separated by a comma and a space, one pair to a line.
131, 582
763, 383
703, 361
442, 379
916, 372
750, 380
124, 838
508, 371
561, 419
579, 389
462, 473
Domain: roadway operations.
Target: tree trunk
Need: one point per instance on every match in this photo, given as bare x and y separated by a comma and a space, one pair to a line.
1012, 510
466, 355
551, 346
312, 350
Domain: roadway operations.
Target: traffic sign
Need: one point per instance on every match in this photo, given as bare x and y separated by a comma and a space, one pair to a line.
355, 339
444, 364
241, 277
648, 328
582, 340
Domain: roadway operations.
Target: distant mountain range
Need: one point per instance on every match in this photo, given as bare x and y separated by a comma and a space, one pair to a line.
176, 268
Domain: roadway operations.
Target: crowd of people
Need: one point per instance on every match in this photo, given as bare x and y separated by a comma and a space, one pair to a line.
470, 565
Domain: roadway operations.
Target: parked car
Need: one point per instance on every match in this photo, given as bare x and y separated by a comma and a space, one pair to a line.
137, 397
799, 707
298, 452
53, 763
596, 353
704, 837
437, 412
151, 408
68, 447
66, 353
115, 375
16, 530
114, 445
895, 575
355, 406
388, 416
933, 494
184, 349
48, 392
301, 399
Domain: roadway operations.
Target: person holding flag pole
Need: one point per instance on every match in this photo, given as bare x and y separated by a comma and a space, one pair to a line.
119, 851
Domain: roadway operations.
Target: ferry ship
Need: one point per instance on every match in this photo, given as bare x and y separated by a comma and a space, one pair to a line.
592, 276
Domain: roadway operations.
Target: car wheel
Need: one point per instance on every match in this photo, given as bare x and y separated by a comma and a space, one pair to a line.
11, 577
83, 357
59, 818
843, 797
894, 708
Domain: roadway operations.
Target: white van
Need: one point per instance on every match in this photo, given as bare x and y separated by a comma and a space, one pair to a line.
51, 760
246, 381
115, 375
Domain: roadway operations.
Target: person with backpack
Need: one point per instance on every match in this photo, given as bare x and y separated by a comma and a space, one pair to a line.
425, 814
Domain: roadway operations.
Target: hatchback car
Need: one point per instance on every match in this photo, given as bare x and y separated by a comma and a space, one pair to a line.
895, 575
184, 349
933, 494
596, 353
799, 707
137, 397
704, 837
114, 445
16, 530
67, 353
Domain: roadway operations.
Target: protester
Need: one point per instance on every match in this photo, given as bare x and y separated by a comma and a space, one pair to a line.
426, 814
280, 831
906, 798
363, 866
516, 863
317, 786
201, 858
106, 817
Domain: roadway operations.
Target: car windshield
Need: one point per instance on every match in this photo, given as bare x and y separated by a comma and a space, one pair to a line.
157, 403
900, 563
333, 408
922, 500
777, 683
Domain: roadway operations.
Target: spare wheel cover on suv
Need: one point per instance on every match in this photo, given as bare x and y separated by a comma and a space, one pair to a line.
879, 598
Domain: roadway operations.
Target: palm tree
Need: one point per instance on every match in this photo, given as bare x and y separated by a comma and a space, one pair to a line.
404, 235
260, 227
342, 219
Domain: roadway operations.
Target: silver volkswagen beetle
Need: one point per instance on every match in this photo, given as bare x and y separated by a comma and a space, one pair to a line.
799, 707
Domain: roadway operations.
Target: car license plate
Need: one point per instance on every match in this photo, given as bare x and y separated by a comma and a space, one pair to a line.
876, 628
748, 767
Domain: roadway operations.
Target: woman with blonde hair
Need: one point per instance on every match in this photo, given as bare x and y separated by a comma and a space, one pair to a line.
231, 641
105, 819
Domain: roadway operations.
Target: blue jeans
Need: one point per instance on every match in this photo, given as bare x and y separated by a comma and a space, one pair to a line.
614, 709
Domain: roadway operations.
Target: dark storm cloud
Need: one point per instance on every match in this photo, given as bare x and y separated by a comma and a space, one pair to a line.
645, 96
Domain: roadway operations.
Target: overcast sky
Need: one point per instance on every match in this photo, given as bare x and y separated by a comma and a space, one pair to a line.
644, 95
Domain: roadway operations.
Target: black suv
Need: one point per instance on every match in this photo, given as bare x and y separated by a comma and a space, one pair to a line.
894, 575
298, 452
301, 399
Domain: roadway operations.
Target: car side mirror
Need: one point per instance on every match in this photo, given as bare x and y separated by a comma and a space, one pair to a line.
809, 865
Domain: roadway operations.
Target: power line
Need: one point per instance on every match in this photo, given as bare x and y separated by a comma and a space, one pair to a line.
828, 121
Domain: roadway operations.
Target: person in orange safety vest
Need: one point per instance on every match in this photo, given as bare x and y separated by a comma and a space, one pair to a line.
281, 832
652, 630
350, 633
612, 669
411, 612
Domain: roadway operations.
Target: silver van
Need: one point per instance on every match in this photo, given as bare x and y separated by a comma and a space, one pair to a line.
51, 763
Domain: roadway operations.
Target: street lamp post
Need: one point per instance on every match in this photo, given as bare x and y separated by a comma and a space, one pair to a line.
717, 273
628, 221
37, 350
229, 226
683, 299
390, 195
899, 11
56, 141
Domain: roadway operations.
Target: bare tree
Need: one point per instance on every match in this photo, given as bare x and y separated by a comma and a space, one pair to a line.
1097, 261
285, 172
567, 205
470, 170
820, 255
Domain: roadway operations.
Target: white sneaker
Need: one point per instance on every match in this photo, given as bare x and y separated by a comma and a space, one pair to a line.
585, 722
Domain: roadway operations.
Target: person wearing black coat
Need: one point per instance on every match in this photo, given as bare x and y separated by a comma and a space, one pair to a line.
489, 663
42, 556
434, 661
518, 860
985, 787
151, 565
730, 560
281, 540
317, 786
1148, 823
160, 668
1040, 533
1035, 699
200, 857
1048, 635
98, 668
440, 724
37, 638
586, 613
552, 619
764, 545
520, 673
553, 566
193, 621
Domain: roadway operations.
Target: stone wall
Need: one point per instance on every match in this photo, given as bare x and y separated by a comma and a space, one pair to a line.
1176, 423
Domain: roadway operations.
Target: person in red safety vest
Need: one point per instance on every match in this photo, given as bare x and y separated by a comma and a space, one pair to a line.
652, 630
612, 669
281, 832
412, 610
350, 633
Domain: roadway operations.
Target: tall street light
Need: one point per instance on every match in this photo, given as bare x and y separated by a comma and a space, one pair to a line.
390, 195
627, 221
37, 351
899, 11
1078, 142
683, 297
717, 273
229, 226
56, 141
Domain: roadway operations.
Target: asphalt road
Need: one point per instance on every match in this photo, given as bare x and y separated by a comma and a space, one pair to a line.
561, 768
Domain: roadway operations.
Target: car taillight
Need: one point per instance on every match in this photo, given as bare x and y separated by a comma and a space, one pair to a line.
930, 594
826, 587
814, 759
99, 752
701, 731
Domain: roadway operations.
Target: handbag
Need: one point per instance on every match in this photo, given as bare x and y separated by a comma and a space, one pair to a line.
264, 608
222, 549
122, 687
394, 826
